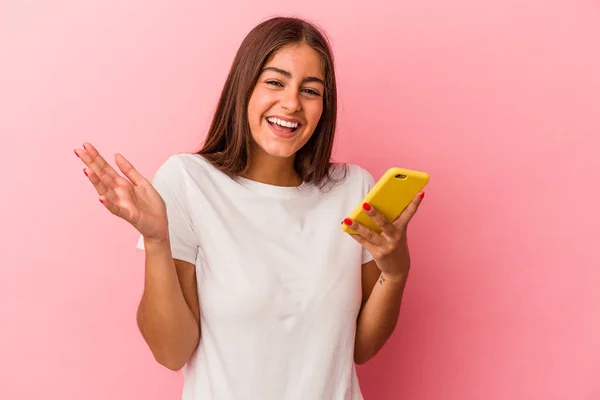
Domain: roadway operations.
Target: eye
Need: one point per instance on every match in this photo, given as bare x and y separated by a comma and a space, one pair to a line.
274, 83
312, 92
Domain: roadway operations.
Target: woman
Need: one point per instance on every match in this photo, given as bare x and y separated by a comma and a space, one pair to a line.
251, 286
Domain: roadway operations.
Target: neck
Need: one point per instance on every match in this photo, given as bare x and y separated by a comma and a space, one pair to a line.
272, 170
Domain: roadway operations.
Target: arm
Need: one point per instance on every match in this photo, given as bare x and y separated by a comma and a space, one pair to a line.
168, 315
379, 312
381, 301
168, 312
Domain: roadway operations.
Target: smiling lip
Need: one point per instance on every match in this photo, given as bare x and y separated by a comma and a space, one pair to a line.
286, 119
281, 133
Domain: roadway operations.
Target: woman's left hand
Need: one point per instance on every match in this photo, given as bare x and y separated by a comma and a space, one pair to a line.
390, 247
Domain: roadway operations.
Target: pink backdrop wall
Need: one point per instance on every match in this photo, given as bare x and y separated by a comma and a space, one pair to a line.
499, 101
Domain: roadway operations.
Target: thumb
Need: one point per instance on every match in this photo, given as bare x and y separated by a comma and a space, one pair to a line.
409, 212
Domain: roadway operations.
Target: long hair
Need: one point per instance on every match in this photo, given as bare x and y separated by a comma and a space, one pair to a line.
228, 144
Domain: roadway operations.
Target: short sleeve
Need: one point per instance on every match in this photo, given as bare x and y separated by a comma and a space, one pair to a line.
170, 182
368, 183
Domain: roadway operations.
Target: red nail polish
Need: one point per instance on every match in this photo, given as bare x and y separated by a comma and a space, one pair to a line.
422, 195
366, 206
101, 201
348, 221
85, 172
84, 147
76, 153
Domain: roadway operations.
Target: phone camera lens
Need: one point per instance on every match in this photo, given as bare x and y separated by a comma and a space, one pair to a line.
400, 176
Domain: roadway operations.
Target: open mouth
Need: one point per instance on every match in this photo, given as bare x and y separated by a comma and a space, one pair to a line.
283, 126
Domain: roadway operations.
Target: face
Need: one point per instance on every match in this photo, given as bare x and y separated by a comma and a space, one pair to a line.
287, 101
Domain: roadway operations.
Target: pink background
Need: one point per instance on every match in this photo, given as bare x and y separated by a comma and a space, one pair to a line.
499, 101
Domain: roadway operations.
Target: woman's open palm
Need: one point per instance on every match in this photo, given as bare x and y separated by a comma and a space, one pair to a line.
132, 197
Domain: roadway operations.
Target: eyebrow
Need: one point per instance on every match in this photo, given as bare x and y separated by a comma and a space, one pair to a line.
289, 75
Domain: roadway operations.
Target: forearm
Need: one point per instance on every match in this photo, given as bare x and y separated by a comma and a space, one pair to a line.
378, 317
164, 318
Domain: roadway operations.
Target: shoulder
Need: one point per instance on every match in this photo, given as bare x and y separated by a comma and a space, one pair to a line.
181, 166
181, 172
349, 177
362, 174
351, 174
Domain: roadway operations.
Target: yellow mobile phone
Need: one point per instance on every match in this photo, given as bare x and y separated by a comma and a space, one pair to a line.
390, 196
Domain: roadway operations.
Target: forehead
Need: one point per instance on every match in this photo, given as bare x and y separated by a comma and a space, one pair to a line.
298, 59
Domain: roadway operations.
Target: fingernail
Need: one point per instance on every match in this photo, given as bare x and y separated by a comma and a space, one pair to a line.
366, 206
85, 172
101, 201
84, 147
348, 221
422, 195
76, 153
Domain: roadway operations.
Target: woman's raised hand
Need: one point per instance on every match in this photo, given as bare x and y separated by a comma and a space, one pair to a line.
132, 197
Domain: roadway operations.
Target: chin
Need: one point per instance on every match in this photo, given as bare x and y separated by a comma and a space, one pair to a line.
278, 150
279, 147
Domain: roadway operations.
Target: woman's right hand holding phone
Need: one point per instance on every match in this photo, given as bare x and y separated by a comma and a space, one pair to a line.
132, 197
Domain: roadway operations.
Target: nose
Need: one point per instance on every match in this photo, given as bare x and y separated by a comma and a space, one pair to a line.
290, 100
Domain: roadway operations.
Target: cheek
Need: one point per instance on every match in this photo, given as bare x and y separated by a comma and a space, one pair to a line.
259, 104
313, 113
252, 109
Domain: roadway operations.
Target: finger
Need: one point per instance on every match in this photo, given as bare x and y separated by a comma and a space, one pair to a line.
386, 226
118, 181
104, 166
98, 164
101, 189
97, 158
91, 165
365, 232
410, 210
128, 170
110, 205
93, 178
371, 248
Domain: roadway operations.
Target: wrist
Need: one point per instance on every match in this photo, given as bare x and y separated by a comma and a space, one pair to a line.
151, 243
398, 277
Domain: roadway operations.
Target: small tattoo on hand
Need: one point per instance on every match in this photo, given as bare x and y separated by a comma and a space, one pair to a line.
381, 280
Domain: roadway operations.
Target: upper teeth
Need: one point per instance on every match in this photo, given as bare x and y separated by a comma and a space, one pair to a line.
282, 122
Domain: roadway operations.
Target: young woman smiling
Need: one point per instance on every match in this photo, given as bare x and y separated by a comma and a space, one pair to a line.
251, 286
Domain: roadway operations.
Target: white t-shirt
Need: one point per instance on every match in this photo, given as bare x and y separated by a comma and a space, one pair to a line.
279, 282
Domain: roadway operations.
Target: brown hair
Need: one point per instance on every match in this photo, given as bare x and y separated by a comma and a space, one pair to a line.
229, 141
